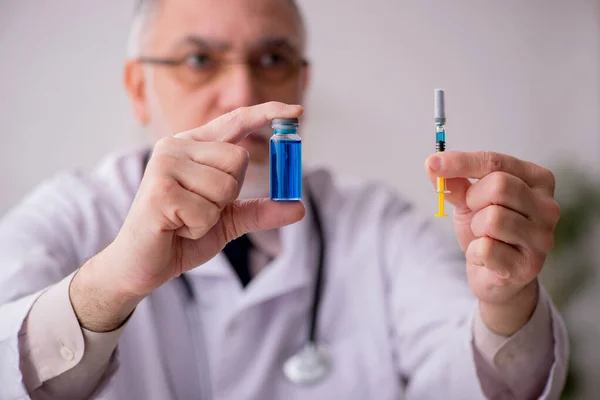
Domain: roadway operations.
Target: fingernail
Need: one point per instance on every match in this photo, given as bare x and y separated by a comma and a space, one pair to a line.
435, 163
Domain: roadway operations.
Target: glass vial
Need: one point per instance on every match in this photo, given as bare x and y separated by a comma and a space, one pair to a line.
286, 160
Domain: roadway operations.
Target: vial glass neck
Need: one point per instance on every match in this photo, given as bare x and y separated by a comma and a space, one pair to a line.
285, 131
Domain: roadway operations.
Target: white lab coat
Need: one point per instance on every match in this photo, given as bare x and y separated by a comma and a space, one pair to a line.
395, 304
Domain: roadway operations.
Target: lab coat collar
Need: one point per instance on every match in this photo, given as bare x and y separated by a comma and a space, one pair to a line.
293, 269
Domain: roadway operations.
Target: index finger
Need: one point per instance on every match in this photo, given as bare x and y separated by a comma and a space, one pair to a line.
456, 164
237, 124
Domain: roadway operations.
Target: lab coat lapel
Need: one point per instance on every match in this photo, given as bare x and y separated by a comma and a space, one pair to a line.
168, 303
293, 269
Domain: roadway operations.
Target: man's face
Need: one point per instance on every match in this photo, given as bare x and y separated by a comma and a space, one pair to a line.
234, 53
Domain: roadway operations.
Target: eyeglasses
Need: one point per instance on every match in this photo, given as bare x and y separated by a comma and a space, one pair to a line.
267, 66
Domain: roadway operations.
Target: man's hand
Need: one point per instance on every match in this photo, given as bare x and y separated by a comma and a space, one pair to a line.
184, 213
505, 224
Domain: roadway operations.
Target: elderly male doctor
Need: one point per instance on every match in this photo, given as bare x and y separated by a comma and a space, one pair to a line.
166, 273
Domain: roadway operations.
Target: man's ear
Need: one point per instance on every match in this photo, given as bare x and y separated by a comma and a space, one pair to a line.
135, 84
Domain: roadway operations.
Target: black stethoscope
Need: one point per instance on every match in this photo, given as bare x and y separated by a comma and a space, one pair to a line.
313, 362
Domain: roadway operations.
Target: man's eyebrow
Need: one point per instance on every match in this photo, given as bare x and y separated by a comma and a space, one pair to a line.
202, 42
273, 41
215, 44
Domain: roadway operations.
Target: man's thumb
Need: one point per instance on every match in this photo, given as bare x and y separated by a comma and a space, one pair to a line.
244, 216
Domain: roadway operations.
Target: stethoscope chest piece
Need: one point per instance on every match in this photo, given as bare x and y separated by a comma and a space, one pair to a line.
308, 367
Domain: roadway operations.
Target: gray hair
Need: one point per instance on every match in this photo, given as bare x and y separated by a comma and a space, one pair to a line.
144, 11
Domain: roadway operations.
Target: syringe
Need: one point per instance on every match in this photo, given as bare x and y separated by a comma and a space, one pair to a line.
440, 146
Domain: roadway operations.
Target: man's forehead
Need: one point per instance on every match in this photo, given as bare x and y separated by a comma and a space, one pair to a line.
237, 22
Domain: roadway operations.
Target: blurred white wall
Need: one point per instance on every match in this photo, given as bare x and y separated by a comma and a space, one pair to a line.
61, 100
521, 77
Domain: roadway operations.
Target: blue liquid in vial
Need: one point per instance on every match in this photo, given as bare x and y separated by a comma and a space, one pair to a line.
286, 169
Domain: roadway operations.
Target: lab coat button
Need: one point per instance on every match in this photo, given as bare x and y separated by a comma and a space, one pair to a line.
66, 353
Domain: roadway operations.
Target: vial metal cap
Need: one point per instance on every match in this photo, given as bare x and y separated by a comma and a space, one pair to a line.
439, 114
285, 121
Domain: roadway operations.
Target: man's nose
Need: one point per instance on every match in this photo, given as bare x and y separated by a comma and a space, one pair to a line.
238, 88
